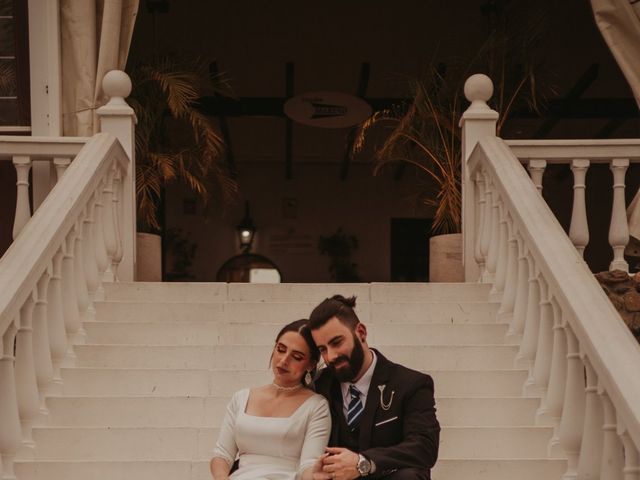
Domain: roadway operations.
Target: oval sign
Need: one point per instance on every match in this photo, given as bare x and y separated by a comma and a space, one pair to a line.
327, 109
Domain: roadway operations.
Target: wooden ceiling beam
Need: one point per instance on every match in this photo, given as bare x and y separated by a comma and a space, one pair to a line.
567, 103
288, 149
583, 108
363, 84
224, 128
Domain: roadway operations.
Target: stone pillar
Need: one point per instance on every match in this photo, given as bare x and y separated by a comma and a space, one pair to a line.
477, 122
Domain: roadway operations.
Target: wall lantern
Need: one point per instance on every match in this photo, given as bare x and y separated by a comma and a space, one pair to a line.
246, 230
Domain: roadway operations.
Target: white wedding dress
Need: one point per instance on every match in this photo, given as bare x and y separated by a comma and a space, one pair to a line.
273, 448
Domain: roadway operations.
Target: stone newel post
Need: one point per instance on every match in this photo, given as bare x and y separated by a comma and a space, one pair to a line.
477, 122
119, 119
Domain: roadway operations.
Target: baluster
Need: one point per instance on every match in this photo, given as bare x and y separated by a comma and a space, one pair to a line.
55, 315
579, 229
619, 228
551, 408
486, 228
529, 344
72, 322
631, 460
89, 256
41, 349
11, 432
98, 239
591, 448
497, 290
82, 294
26, 382
481, 219
505, 313
117, 194
61, 165
109, 226
536, 170
516, 327
542, 364
23, 210
612, 450
494, 233
571, 423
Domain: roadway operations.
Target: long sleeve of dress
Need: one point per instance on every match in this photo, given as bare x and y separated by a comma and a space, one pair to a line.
316, 436
226, 448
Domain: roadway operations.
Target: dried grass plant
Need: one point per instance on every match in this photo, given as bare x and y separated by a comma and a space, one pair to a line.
424, 133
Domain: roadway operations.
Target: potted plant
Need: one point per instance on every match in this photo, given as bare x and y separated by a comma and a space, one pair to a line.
340, 246
424, 133
175, 142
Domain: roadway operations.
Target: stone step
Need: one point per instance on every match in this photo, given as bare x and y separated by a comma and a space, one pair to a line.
146, 382
213, 333
167, 292
429, 292
445, 469
480, 357
201, 411
498, 469
183, 443
280, 313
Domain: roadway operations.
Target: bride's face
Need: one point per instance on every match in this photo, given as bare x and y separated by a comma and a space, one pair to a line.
291, 359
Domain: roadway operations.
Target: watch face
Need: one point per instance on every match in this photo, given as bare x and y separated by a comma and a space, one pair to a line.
364, 466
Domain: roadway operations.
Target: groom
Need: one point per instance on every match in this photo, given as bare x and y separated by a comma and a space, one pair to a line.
383, 414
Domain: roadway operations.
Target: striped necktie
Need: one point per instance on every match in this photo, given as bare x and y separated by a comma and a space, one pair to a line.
355, 409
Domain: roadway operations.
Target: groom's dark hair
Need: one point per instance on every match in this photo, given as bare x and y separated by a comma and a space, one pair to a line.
336, 306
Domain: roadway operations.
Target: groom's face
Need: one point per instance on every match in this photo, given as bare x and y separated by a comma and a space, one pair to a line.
341, 349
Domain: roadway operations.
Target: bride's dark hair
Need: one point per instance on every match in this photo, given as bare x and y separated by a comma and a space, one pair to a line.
302, 327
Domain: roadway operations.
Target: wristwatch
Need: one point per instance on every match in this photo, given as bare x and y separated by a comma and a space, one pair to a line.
363, 466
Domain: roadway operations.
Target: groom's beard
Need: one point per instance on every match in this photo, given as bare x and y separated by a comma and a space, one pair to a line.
353, 364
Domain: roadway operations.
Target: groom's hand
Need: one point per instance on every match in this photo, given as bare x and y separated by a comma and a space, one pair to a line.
340, 464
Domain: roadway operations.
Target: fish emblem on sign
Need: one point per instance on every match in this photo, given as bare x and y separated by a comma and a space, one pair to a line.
327, 109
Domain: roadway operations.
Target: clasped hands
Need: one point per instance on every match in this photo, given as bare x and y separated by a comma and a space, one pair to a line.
336, 463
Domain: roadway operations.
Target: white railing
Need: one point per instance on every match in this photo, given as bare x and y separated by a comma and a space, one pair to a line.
23, 151
582, 360
579, 155
55, 269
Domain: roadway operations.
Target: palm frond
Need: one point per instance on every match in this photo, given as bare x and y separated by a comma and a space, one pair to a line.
165, 97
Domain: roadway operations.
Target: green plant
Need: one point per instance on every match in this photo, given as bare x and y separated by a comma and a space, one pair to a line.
174, 141
339, 247
424, 132
180, 254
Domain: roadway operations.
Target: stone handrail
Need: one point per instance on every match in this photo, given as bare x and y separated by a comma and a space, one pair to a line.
582, 360
40, 148
80, 237
563, 151
49, 279
23, 151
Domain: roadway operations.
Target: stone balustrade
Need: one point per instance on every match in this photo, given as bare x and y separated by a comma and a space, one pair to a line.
23, 151
80, 237
581, 358
580, 155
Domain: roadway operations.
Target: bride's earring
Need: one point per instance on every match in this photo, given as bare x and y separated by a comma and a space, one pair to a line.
307, 378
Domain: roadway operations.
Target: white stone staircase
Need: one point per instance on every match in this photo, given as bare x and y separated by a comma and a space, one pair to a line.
160, 362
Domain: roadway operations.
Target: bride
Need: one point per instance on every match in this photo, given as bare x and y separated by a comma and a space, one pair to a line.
277, 431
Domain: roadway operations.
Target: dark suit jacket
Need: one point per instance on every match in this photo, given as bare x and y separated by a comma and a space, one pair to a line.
404, 436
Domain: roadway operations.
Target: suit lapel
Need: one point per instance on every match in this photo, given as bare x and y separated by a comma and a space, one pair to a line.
336, 405
380, 377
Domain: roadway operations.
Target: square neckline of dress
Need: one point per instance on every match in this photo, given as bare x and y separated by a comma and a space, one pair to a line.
246, 402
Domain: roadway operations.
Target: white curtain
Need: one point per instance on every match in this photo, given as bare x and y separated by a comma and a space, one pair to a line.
95, 37
619, 23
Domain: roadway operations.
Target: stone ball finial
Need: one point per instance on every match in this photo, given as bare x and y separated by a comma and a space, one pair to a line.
478, 88
116, 84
